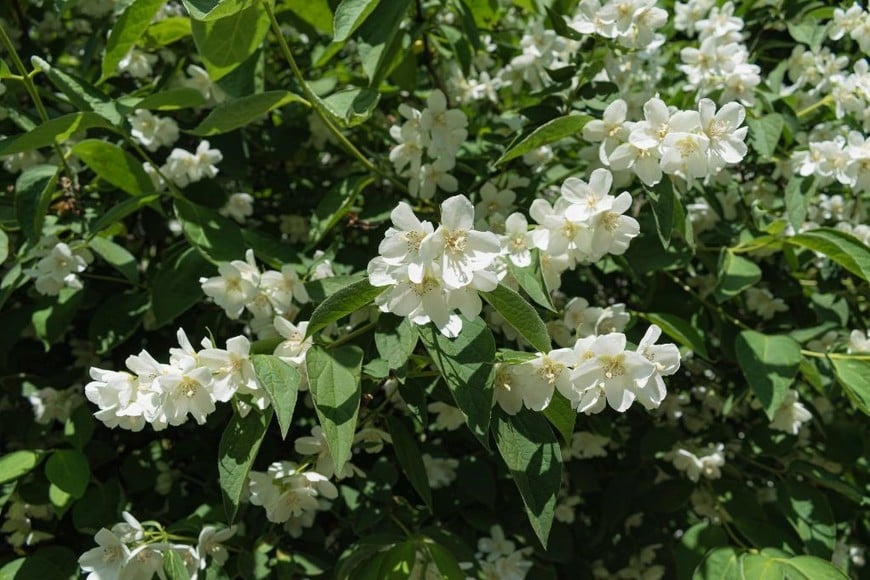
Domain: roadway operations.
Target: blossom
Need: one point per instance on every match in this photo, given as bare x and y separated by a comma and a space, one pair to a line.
210, 544
234, 287
59, 269
108, 559
283, 287
440, 472
585, 445
285, 491
790, 414
536, 379
137, 63
239, 206
722, 128
762, 302
231, 368
184, 168
665, 358
151, 131
707, 465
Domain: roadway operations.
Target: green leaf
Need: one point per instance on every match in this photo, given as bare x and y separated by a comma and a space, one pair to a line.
79, 427
231, 115
769, 364
694, 544
445, 561
4, 246
217, 237
764, 133
349, 15
173, 566
561, 416
85, 96
852, 375
281, 382
531, 453
236, 453
345, 301
52, 318
798, 193
380, 39
117, 319
227, 42
809, 32
172, 100
808, 511
117, 256
520, 315
334, 382
663, 200
337, 202
770, 565
531, 280
126, 32
317, 13
736, 274
681, 331
53, 131
33, 190
550, 132
350, 107
115, 165
395, 563
812, 568
466, 363
719, 564
168, 30
845, 249
121, 210
214, 9
14, 465
410, 458
175, 286
68, 469
395, 339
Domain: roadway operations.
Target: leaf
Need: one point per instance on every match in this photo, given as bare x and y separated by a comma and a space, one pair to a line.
53, 131
117, 319
14, 465
115, 165
117, 256
68, 469
121, 210
681, 331
337, 202
663, 200
466, 363
845, 249
4, 246
561, 416
798, 193
349, 15
520, 315
350, 107
281, 382
380, 40
410, 458
79, 427
214, 9
231, 115
809, 32
317, 13
445, 561
126, 31
54, 314
764, 133
85, 96
694, 545
238, 448
550, 132
769, 364
173, 565
395, 339
719, 564
165, 32
227, 42
217, 237
172, 100
531, 280
345, 301
33, 190
175, 286
736, 274
531, 453
808, 510
852, 375
334, 382
393, 564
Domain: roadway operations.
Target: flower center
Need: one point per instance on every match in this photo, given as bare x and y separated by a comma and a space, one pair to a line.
188, 387
610, 220
687, 146
454, 241
550, 370
413, 239
613, 366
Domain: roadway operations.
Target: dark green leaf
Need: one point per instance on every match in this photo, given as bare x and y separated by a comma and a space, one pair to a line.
531, 280
175, 286
118, 212
173, 566
171, 100
238, 449
345, 301
764, 133
520, 315
561, 416
337, 202
281, 382
845, 249
227, 42
237, 113
809, 512
334, 381
317, 13
395, 339
736, 274
53, 131
214, 9
126, 31
380, 39
349, 15
719, 564
117, 319
68, 469
350, 107
216, 236
798, 193
85, 96
115, 165
116, 256
551, 132
769, 364
852, 374
681, 331
410, 458
33, 191
52, 318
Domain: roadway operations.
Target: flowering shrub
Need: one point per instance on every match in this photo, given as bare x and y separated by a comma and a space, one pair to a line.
470, 289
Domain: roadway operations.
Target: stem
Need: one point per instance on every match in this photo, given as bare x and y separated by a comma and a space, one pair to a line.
834, 355
814, 106
34, 94
315, 102
351, 335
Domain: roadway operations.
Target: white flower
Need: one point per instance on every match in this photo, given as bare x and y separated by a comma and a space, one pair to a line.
707, 465
565, 509
239, 206
726, 137
401, 243
666, 358
446, 127
610, 131
440, 472
518, 240
116, 394
292, 350
137, 63
235, 287
58, 270
497, 545
585, 445
108, 559
283, 288
609, 231
210, 544
536, 379
286, 492
790, 414
859, 342
231, 368
151, 131
52, 405
183, 167
684, 151
447, 418
762, 302
199, 80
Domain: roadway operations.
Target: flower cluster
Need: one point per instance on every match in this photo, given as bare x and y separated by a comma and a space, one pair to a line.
436, 132
580, 320
151, 131
845, 160
316, 447
50, 404
241, 286
632, 23
131, 549
430, 273
499, 556
167, 394
183, 167
291, 494
854, 23
687, 144
59, 266
597, 371
18, 523
708, 464
542, 50
721, 62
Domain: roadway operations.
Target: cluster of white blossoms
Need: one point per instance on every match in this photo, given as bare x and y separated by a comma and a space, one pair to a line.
845, 160
137, 64
131, 549
688, 144
597, 371
18, 523
50, 405
168, 394
632, 23
580, 320
542, 50
431, 272
721, 62
854, 23
151, 131
440, 471
183, 167
708, 464
316, 448
59, 265
435, 133
762, 302
291, 494
499, 556
241, 286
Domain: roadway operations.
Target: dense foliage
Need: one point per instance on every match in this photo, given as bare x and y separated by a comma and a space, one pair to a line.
464, 289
